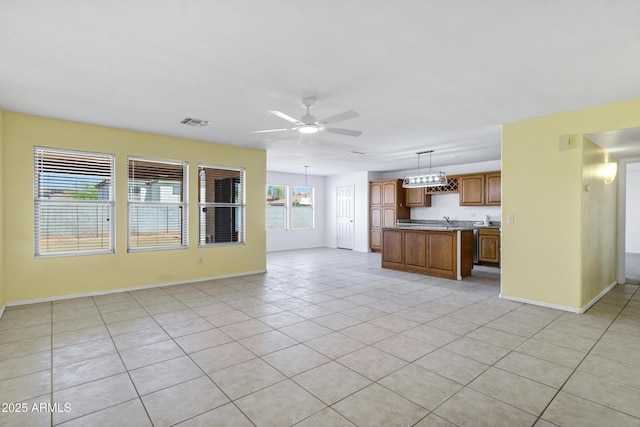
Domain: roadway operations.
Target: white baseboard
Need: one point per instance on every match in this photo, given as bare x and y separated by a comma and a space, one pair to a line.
134, 288
580, 310
2, 310
600, 295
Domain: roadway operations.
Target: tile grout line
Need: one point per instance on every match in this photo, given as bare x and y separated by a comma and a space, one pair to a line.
580, 363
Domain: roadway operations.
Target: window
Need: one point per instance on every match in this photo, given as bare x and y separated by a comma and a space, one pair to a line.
221, 205
157, 204
301, 208
74, 202
289, 210
276, 207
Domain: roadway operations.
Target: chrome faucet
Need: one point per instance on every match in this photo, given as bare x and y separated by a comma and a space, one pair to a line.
446, 218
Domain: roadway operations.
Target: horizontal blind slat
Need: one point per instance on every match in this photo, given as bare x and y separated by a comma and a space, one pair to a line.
73, 202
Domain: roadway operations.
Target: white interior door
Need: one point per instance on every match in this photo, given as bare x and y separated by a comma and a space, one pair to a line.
344, 217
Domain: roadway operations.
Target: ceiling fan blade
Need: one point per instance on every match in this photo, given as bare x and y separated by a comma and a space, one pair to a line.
347, 132
284, 116
271, 130
341, 117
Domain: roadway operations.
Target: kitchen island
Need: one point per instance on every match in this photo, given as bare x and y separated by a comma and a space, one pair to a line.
441, 251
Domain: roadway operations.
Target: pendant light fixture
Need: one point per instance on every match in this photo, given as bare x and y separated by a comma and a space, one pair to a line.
432, 179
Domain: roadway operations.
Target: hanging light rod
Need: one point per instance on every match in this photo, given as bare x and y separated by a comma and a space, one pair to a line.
431, 179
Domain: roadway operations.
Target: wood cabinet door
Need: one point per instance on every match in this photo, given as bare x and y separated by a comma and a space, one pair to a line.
392, 243
414, 196
389, 190
415, 250
494, 189
489, 248
441, 250
472, 190
417, 197
375, 239
375, 194
375, 215
389, 217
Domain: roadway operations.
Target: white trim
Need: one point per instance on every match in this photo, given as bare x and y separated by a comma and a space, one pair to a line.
622, 216
133, 288
4, 306
561, 307
600, 295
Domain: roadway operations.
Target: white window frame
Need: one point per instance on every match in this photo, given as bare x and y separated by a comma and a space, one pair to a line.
183, 205
203, 206
289, 223
52, 161
312, 206
285, 226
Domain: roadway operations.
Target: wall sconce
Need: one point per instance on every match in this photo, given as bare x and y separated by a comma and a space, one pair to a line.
610, 171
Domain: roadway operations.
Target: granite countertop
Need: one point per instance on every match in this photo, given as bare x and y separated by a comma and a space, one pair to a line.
443, 226
432, 227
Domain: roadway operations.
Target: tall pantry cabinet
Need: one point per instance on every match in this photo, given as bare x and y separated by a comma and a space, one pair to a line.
387, 206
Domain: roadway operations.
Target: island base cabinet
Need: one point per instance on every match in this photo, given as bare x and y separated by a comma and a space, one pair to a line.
442, 254
415, 251
392, 256
434, 253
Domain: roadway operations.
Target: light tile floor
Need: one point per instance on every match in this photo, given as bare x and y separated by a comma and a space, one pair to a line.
325, 338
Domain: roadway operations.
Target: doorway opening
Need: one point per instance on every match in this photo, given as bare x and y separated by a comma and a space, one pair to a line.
632, 225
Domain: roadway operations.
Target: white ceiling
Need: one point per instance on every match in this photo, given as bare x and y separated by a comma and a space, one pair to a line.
423, 74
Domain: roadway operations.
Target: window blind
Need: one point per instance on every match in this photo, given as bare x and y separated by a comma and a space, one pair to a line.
157, 204
74, 202
221, 204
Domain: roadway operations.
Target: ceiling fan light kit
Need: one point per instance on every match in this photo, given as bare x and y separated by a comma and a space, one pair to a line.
308, 123
431, 179
308, 129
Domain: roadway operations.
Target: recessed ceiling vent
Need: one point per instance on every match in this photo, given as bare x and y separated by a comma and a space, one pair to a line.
195, 122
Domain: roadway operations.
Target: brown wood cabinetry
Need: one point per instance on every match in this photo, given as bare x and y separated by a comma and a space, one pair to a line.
489, 246
434, 253
417, 197
481, 189
472, 190
387, 206
494, 189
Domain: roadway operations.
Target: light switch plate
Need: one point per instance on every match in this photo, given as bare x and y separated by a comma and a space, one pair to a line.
566, 142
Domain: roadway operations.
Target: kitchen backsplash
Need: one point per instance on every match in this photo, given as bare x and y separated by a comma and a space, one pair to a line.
449, 205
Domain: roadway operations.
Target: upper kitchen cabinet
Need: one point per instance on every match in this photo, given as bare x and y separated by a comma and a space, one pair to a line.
388, 192
480, 189
494, 188
417, 197
472, 190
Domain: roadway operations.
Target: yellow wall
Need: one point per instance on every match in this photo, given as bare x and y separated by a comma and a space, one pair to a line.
548, 251
27, 278
1, 211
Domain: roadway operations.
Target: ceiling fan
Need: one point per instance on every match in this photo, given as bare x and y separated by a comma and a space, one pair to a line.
308, 123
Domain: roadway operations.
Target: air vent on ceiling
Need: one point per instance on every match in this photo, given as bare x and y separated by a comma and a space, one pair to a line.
195, 122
